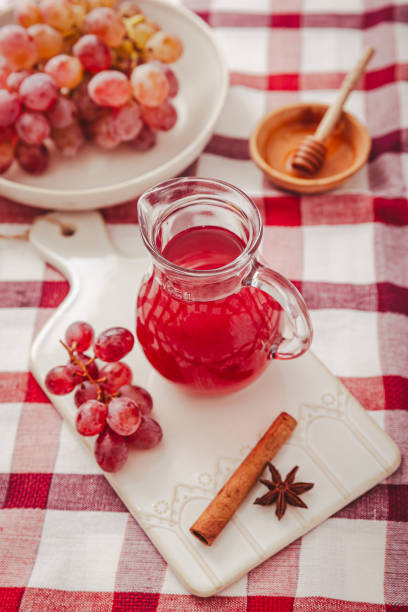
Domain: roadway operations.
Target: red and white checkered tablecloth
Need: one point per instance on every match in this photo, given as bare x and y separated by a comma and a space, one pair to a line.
66, 540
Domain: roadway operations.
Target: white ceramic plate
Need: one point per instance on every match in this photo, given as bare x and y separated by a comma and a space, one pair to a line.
336, 443
96, 178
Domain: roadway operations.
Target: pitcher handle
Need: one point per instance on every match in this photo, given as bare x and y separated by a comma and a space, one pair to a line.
293, 305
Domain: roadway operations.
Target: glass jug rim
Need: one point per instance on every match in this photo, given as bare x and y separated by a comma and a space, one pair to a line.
243, 258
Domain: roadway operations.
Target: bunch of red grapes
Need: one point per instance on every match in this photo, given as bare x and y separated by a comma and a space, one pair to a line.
109, 406
82, 69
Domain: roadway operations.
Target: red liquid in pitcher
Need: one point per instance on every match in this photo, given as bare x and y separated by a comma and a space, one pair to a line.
214, 346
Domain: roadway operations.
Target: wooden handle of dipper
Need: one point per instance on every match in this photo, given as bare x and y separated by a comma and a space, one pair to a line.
333, 113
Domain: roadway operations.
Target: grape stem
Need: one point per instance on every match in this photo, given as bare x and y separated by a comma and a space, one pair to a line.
102, 394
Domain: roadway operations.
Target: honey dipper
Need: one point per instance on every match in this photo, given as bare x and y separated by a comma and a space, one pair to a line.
310, 154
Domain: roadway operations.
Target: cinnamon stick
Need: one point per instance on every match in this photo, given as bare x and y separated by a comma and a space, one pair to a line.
220, 510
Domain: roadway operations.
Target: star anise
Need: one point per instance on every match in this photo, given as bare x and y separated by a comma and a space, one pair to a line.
283, 491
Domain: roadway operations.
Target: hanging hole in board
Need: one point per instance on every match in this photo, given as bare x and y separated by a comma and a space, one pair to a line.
67, 230
64, 228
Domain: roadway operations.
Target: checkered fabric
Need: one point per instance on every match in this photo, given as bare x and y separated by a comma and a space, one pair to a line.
66, 540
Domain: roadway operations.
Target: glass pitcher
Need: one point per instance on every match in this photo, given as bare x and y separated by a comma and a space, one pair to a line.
210, 314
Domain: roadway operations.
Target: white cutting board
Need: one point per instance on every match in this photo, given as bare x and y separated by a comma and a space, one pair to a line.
336, 444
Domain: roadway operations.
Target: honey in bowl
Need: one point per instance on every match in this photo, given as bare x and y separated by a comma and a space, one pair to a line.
285, 138
277, 135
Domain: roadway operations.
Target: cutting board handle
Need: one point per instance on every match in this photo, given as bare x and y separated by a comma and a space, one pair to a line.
62, 236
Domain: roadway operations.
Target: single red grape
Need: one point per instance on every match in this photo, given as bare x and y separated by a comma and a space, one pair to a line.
91, 418
63, 113
61, 380
86, 391
58, 13
32, 158
148, 435
106, 24
126, 122
139, 395
145, 140
38, 92
33, 128
173, 82
49, 42
28, 13
65, 70
92, 367
15, 79
164, 47
17, 46
117, 374
93, 54
10, 107
161, 117
110, 88
149, 83
69, 140
124, 416
111, 451
80, 333
102, 133
87, 109
113, 344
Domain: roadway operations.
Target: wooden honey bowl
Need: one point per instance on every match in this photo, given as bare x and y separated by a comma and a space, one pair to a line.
278, 134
